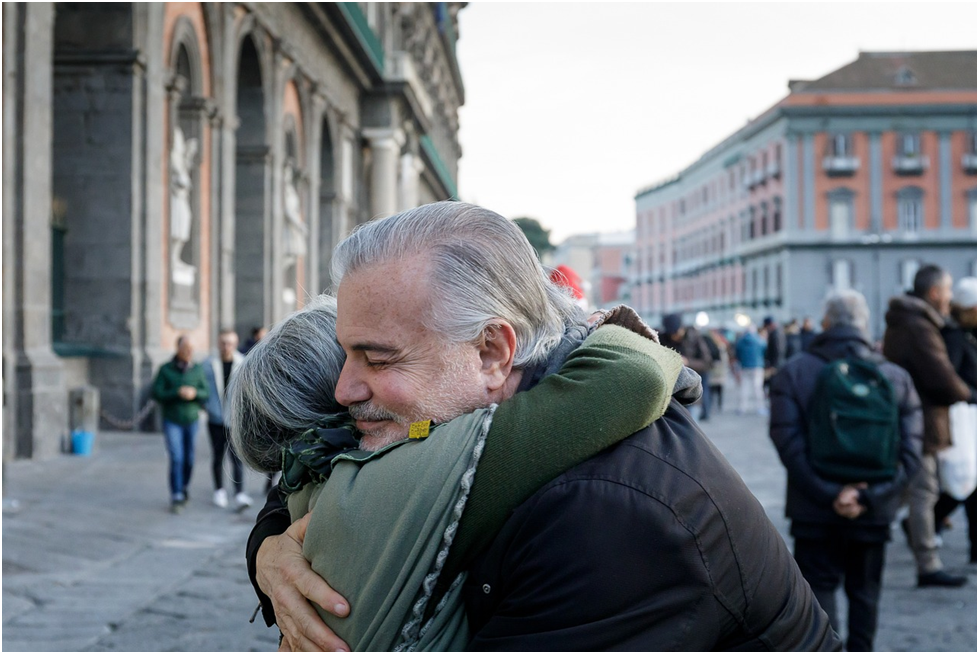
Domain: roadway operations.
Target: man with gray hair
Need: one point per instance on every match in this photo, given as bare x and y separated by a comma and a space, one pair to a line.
841, 527
655, 543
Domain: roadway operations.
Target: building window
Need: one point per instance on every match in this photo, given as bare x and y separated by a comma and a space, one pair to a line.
840, 213
969, 158
971, 208
842, 275
905, 77
764, 218
777, 214
839, 159
910, 212
909, 268
909, 144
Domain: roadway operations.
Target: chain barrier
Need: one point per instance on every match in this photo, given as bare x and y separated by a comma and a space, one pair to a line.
129, 425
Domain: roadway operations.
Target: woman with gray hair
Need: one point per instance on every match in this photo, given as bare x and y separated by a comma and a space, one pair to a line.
382, 523
841, 526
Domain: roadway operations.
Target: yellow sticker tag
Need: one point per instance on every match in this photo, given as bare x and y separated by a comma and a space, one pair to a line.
420, 429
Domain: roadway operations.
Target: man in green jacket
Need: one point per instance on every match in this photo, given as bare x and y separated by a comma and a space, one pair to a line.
181, 390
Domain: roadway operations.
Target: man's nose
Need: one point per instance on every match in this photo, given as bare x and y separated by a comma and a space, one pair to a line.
350, 387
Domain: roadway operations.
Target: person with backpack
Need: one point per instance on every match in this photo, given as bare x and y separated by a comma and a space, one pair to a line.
847, 426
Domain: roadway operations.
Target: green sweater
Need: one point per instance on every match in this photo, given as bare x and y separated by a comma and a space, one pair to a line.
380, 532
168, 381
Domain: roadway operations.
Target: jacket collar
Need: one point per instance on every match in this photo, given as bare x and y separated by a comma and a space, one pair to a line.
915, 305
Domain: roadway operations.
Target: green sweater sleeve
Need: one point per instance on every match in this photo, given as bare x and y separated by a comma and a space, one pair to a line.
614, 384
163, 390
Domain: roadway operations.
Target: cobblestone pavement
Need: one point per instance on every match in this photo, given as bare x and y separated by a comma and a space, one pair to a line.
93, 561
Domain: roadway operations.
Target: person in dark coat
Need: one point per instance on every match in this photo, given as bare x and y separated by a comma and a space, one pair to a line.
959, 334
793, 339
690, 345
913, 340
775, 350
806, 334
654, 544
840, 530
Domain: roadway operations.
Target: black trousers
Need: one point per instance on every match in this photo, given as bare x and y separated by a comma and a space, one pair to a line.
947, 504
219, 445
859, 565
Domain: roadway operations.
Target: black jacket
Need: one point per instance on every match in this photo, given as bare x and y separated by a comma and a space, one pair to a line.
655, 544
961, 346
809, 497
775, 352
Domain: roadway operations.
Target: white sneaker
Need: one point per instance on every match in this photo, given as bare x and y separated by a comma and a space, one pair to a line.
243, 501
221, 498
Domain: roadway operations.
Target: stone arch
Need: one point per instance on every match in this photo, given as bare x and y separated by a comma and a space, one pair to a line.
295, 232
186, 124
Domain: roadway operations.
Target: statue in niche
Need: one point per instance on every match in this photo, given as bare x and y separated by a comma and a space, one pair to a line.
296, 232
294, 237
181, 215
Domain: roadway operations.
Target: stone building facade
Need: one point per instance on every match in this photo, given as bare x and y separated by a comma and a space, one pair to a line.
853, 180
175, 168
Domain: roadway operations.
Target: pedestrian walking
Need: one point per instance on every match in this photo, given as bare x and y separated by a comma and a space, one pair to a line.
217, 371
806, 334
750, 352
913, 340
841, 517
257, 334
774, 349
688, 342
181, 390
959, 334
793, 339
720, 368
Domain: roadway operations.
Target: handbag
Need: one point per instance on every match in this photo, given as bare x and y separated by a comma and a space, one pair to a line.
957, 463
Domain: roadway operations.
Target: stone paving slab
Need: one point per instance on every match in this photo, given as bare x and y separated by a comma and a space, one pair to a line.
93, 561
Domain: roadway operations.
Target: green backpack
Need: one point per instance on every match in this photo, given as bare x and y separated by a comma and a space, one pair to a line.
854, 424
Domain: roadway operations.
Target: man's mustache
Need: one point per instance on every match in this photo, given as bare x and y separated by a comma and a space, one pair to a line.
371, 413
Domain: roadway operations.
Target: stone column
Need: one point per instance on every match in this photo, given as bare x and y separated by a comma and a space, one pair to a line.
40, 397
9, 60
227, 88
411, 170
148, 286
385, 143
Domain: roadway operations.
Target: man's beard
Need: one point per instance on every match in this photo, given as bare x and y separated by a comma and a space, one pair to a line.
453, 394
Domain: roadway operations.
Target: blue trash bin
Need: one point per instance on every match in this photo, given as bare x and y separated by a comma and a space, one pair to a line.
82, 442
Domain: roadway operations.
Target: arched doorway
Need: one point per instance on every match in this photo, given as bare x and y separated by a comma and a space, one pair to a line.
327, 204
252, 247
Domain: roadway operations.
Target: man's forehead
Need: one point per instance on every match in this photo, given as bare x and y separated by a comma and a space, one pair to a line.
377, 304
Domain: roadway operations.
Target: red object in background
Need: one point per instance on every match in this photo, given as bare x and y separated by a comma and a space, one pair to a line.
568, 278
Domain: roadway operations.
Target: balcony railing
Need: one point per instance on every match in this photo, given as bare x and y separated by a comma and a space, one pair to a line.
836, 166
910, 164
774, 170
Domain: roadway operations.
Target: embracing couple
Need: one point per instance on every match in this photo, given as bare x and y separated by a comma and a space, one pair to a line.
470, 463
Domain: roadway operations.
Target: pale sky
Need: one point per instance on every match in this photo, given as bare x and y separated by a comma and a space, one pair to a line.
571, 108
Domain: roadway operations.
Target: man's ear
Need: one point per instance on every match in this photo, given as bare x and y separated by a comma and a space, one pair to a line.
497, 347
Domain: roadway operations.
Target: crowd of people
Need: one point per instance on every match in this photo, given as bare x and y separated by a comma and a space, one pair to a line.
925, 371
470, 461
